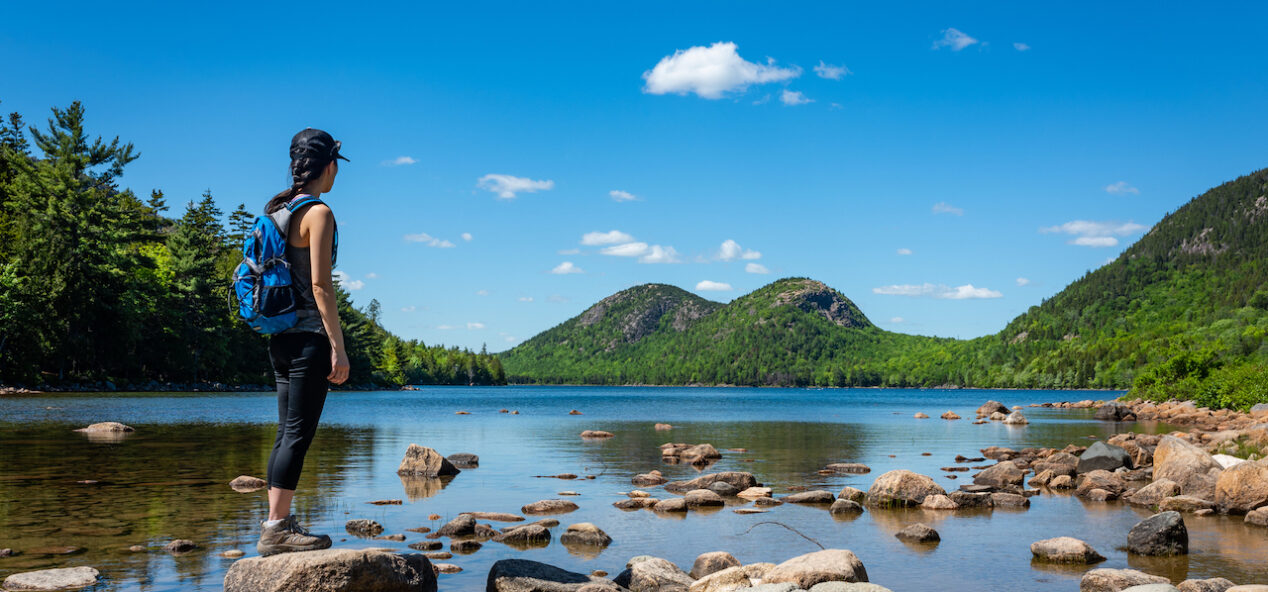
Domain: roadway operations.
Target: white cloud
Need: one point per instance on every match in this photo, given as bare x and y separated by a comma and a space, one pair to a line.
831, 72
1021, 281
943, 207
941, 291
482, 292
565, 268
1121, 188
347, 283
1021, 47
410, 308
731, 250
399, 161
711, 286
659, 254
371, 276
955, 39
626, 250
429, 240
618, 195
896, 320
525, 299
611, 237
557, 298
475, 326
756, 268
466, 236
569, 251
711, 72
1088, 233
836, 106
506, 186
510, 339
904, 251
794, 97
444, 327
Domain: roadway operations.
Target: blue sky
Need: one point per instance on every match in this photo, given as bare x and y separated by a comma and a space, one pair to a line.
945, 165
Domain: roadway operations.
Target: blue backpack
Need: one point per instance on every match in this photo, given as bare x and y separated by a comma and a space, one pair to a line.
262, 282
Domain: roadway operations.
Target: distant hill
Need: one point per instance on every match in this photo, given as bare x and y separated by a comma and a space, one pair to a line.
1192, 289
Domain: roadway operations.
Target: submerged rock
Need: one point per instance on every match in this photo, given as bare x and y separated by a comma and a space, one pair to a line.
585, 534
362, 527
1065, 550
1161, 534
811, 497
105, 426
525, 535
52, 579
332, 570
738, 479
180, 546
549, 507
596, 434
918, 533
247, 484
464, 460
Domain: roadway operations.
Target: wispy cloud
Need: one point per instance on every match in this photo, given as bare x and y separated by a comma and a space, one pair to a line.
711, 286
793, 98
1021, 281
524, 299
410, 308
565, 268
444, 327
1088, 233
943, 207
371, 276
466, 236
904, 251
711, 72
954, 39
557, 298
756, 268
611, 237
482, 292
831, 72
507, 186
942, 291
428, 240
474, 326
399, 161
345, 281
1121, 188
618, 195
1021, 47
626, 250
731, 250
896, 320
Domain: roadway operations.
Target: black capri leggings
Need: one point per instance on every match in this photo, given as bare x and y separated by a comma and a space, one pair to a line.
301, 363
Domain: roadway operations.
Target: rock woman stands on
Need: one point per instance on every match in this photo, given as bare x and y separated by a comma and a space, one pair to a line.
310, 354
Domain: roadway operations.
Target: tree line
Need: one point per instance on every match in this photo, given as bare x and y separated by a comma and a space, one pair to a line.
99, 284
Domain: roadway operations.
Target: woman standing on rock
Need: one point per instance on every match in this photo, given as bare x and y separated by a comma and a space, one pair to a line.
304, 357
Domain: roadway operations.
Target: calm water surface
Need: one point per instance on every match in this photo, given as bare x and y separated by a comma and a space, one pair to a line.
169, 480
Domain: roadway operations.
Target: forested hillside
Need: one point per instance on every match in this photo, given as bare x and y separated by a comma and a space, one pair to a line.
1181, 313
98, 284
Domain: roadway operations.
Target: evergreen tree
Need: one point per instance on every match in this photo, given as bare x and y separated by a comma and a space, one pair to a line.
199, 289
240, 222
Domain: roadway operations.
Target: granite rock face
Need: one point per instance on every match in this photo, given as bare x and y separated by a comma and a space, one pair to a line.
332, 570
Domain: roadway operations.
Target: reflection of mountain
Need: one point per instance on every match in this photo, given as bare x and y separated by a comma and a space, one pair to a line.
417, 488
778, 453
161, 482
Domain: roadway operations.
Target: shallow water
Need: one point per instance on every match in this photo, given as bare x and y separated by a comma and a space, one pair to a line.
169, 480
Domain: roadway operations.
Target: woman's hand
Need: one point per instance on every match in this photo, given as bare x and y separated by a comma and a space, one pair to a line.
338, 366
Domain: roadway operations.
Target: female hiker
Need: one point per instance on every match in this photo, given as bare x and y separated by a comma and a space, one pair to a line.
311, 352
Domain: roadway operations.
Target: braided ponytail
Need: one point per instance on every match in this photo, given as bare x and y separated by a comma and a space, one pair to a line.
304, 170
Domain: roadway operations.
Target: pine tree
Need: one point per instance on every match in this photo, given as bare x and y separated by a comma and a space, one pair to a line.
240, 222
198, 288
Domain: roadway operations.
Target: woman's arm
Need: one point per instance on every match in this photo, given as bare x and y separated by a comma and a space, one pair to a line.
320, 223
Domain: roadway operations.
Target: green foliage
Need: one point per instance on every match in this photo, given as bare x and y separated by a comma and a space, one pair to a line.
97, 285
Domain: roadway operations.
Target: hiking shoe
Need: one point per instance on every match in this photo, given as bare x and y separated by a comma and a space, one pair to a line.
288, 536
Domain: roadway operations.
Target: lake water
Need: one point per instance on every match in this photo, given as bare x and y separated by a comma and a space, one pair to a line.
169, 480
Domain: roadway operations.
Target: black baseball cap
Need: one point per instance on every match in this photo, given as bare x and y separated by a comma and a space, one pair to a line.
315, 143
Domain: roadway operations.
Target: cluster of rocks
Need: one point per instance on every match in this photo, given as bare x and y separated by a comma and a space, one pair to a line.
989, 411
692, 454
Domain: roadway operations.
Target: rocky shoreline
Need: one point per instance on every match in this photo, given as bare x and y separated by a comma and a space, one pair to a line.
1213, 465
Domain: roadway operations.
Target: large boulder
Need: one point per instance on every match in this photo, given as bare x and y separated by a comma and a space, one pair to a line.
1207, 585
1114, 411
918, 533
990, 407
699, 454
712, 562
1185, 503
1060, 463
653, 574
105, 426
1065, 550
552, 506
732, 578
1242, 487
585, 534
1116, 580
524, 536
64, 578
816, 496
738, 479
1161, 534
1003, 475
1105, 480
829, 565
421, 461
332, 570
1152, 494
1016, 418
702, 498
1189, 466
902, 488
1105, 457
522, 575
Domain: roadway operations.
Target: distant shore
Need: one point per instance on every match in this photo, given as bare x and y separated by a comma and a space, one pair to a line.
217, 387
